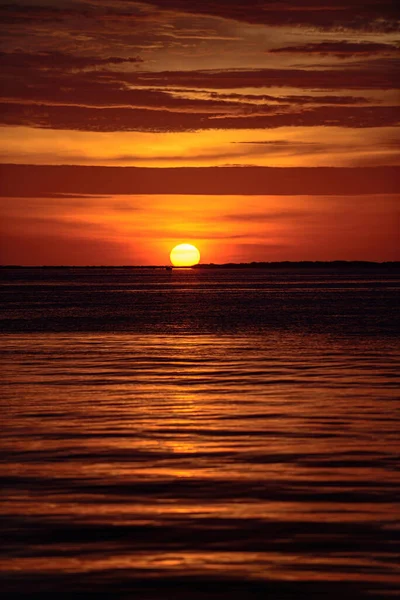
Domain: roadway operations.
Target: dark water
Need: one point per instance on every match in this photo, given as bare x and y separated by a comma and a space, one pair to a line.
200, 434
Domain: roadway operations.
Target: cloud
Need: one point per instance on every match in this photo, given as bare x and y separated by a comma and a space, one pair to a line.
277, 143
330, 15
44, 90
98, 90
59, 61
80, 11
269, 217
54, 86
351, 79
237, 150
35, 181
130, 119
28, 13
295, 99
340, 49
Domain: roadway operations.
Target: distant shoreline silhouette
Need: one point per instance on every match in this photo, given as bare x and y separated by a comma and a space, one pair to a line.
304, 264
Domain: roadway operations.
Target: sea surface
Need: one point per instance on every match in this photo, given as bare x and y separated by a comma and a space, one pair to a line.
200, 434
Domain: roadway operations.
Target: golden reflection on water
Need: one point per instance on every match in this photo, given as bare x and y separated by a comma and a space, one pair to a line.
249, 565
256, 456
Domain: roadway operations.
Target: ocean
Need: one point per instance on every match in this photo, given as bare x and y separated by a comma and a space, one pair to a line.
200, 433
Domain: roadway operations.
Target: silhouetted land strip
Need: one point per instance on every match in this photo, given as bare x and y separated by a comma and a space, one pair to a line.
335, 264
305, 264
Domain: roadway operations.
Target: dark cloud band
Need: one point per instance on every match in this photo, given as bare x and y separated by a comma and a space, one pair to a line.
39, 181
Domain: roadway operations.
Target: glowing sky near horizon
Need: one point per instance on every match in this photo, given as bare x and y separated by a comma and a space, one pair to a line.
163, 84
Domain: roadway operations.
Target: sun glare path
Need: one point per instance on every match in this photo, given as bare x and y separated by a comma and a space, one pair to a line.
184, 255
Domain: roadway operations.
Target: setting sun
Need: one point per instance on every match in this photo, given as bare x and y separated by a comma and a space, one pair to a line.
184, 255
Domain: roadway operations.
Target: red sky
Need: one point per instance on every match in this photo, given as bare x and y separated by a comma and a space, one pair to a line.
254, 130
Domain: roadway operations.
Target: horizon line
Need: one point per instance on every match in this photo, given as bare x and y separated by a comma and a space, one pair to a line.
337, 262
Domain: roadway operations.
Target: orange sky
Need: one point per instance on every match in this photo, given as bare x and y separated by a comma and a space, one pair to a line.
141, 93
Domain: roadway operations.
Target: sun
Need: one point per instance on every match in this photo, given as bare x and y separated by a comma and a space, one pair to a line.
184, 255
